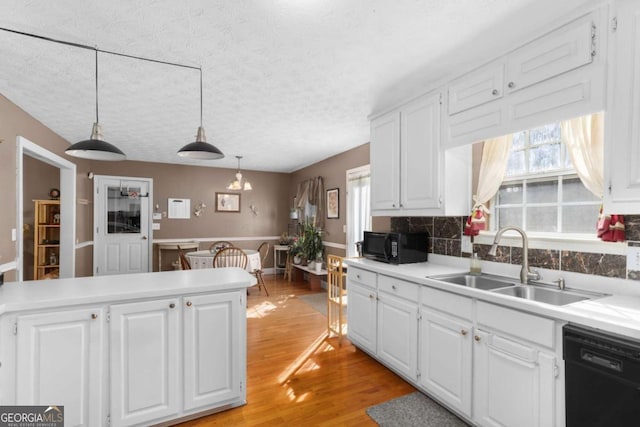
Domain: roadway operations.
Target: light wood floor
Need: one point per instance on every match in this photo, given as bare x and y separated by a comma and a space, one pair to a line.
297, 377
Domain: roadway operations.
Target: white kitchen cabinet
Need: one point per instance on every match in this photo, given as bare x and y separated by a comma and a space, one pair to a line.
361, 312
405, 161
557, 76
385, 162
477, 87
60, 361
515, 368
144, 361
398, 334
622, 143
446, 358
569, 47
213, 357
514, 383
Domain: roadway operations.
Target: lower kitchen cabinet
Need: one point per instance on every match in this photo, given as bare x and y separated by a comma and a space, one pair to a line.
514, 383
213, 357
144, 363
59, 360
446, 358
362, 316
398, 334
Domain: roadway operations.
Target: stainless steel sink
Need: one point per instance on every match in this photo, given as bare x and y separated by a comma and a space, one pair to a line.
545, 295
484, 281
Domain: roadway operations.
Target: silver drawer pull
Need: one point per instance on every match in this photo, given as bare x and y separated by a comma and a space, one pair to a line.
393, 287
463, 332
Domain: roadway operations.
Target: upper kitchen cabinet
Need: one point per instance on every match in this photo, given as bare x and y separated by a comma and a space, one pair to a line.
478, 87
622, 142
556, 76
407, 165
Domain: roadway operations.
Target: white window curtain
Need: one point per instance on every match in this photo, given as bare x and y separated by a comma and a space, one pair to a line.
583, 137
359, 203
495, 157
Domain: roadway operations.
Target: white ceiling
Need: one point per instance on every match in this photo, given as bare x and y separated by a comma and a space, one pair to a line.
286, 82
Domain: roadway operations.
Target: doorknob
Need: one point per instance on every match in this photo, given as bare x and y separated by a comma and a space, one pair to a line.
144, 237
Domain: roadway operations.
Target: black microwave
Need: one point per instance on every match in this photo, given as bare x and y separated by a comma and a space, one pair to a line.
395, 248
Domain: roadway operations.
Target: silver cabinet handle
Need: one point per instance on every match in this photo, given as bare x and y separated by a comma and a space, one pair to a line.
94, 316
358, 276
464, 333
172, 305
495, 92
144, 237
511, 85
477, 338
189, 303
394, 287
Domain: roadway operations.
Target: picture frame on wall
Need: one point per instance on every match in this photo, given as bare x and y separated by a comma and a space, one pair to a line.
227, 202
333, 203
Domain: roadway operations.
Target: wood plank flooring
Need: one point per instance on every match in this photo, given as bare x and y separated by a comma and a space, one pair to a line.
298, 377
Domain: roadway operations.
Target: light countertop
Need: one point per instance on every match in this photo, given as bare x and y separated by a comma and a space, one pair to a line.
45, 294
616, 312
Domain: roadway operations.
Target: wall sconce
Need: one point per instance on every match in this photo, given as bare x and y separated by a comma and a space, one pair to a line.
199, 209
253, 209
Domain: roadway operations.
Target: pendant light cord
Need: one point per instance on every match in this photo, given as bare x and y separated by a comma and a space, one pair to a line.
200, 96
97, 121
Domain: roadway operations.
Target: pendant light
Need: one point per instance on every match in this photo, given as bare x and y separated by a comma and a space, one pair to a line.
95, 148
200, 149
239, 183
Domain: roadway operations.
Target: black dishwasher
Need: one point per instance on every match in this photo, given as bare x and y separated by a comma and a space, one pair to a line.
602, 378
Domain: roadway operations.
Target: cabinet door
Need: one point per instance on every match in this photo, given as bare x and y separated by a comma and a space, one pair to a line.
420, 153
60, 361
514, 384
385, 162
445, 359
477, 87
398, 334
564, 49
361, 312
213, 343
144, 360
622, 146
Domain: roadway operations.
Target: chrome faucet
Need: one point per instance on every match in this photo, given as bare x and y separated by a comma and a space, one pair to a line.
525, 273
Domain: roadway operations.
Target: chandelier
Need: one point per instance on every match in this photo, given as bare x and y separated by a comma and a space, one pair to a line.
239, 183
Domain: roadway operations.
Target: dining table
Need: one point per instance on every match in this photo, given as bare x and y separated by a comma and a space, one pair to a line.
204, 259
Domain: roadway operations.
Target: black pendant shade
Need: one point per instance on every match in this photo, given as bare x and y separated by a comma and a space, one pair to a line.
200, 149
95, 148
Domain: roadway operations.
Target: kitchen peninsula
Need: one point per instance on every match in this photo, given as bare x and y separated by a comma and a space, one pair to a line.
134, 349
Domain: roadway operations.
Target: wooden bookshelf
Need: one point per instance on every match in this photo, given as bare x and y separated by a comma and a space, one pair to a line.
46, 239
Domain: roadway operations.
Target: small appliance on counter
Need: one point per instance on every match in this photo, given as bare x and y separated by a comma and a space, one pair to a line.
395, 248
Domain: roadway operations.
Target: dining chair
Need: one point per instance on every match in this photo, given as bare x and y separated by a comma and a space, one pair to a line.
263, 250
230, 257
184, 261
288, 267
219, 245
336, 297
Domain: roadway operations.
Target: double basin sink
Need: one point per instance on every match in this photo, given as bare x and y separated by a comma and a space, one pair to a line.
534, 291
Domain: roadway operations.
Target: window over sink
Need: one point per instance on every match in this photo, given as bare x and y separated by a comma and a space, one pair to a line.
541, 191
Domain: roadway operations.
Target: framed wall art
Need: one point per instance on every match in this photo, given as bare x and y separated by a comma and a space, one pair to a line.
333, 203
227, 202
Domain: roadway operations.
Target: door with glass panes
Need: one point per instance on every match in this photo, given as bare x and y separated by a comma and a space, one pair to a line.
122, 235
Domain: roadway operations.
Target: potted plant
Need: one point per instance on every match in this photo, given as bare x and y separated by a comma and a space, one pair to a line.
295, 249
312, 242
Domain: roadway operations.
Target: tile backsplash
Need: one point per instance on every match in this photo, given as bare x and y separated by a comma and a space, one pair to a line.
446, 233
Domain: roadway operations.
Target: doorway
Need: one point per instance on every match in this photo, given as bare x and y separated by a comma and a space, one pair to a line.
67, 254
122, 227
358, 206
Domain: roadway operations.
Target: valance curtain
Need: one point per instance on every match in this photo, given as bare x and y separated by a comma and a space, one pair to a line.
495, 156
584, 139
311, 192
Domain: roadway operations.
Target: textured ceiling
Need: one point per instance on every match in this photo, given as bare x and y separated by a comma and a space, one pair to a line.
286, 82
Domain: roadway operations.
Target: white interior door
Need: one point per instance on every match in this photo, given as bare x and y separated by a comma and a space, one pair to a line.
122, 228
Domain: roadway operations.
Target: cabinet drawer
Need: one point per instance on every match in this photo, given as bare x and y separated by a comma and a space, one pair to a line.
539, 330
364, 277
398, 287
447, 302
